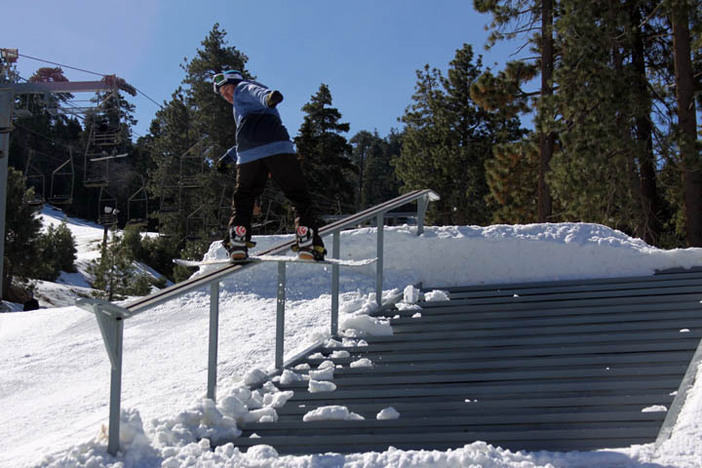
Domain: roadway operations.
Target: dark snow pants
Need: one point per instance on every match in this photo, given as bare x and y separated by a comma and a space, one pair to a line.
251, 180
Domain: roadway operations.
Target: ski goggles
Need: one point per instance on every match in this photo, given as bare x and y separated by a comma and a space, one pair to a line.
220, 79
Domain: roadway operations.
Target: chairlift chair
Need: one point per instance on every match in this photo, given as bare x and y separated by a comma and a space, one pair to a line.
63, 182
138, 207
34, 178
195, 224
107, 208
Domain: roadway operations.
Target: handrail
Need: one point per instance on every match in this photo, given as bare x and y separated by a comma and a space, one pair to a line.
110, 317
166, 294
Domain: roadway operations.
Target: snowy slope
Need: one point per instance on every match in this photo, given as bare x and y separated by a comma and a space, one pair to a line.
54, 389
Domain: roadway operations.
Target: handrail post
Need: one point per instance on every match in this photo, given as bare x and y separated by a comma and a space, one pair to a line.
422, 205
336, 243
280, 317
115, 388
379, 266
110, 318
214, 338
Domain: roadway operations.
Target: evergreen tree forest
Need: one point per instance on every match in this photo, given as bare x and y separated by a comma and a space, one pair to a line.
595, 119
614, 88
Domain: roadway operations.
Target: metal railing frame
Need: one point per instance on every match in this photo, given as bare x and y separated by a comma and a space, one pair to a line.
110, 317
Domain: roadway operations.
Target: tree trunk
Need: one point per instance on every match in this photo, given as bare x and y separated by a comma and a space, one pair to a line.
684, 91
546, 139
649, 227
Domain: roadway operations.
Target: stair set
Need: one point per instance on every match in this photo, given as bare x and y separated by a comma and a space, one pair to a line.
558, 366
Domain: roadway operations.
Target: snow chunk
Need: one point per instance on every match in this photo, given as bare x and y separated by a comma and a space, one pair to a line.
233, 407
436, 295
331, 413
323, 374
341, 354
261, 455
363, 362
411, 295
332, 343
255, 377
277, 399
326, 365
369, 325
316, 386
288, 377
401, 306
387, 413
655, 409
261, 415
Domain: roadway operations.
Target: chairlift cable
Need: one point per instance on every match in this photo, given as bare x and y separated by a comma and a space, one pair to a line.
87, 71
62, 65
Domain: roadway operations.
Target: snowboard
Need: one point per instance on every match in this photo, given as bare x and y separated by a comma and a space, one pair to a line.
275, 258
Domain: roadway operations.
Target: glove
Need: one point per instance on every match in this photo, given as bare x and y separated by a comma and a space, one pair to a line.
224, 164
273, 99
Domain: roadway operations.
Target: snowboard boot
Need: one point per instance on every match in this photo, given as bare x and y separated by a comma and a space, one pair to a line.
237, 246
309, 245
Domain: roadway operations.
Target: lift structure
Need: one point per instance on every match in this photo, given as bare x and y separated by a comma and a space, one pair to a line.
103, 140
8, 94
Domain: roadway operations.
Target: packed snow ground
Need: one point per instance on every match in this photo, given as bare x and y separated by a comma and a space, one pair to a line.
54, 389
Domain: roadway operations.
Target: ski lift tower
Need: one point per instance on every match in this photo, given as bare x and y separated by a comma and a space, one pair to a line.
8, 91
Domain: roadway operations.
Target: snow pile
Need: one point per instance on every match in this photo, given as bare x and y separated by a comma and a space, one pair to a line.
411, 295
436, 295
55, 385
365, 325
388, 413
331, 413
320, 386
363, 362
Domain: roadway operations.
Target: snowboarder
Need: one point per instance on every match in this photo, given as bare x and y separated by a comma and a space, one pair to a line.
263, 147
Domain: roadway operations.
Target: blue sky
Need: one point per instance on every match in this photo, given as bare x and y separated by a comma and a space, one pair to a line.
366, 51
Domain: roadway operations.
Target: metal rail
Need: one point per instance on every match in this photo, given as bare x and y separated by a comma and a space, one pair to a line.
110, 317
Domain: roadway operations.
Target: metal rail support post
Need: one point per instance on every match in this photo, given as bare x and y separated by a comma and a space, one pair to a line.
336, 242
214, 338
110, 319
380, 222
422, 205
280, 317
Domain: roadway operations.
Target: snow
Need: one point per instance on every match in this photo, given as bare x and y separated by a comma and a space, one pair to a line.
388, 413
319, 386
362, 362
331, 413
436, 295
54, 390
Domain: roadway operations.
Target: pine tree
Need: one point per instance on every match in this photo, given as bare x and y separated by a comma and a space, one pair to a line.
115, 275
448, 139
57, 253
326, 154
680, 13
373, 156
533, 19
604, 172
510, 177
22, 230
